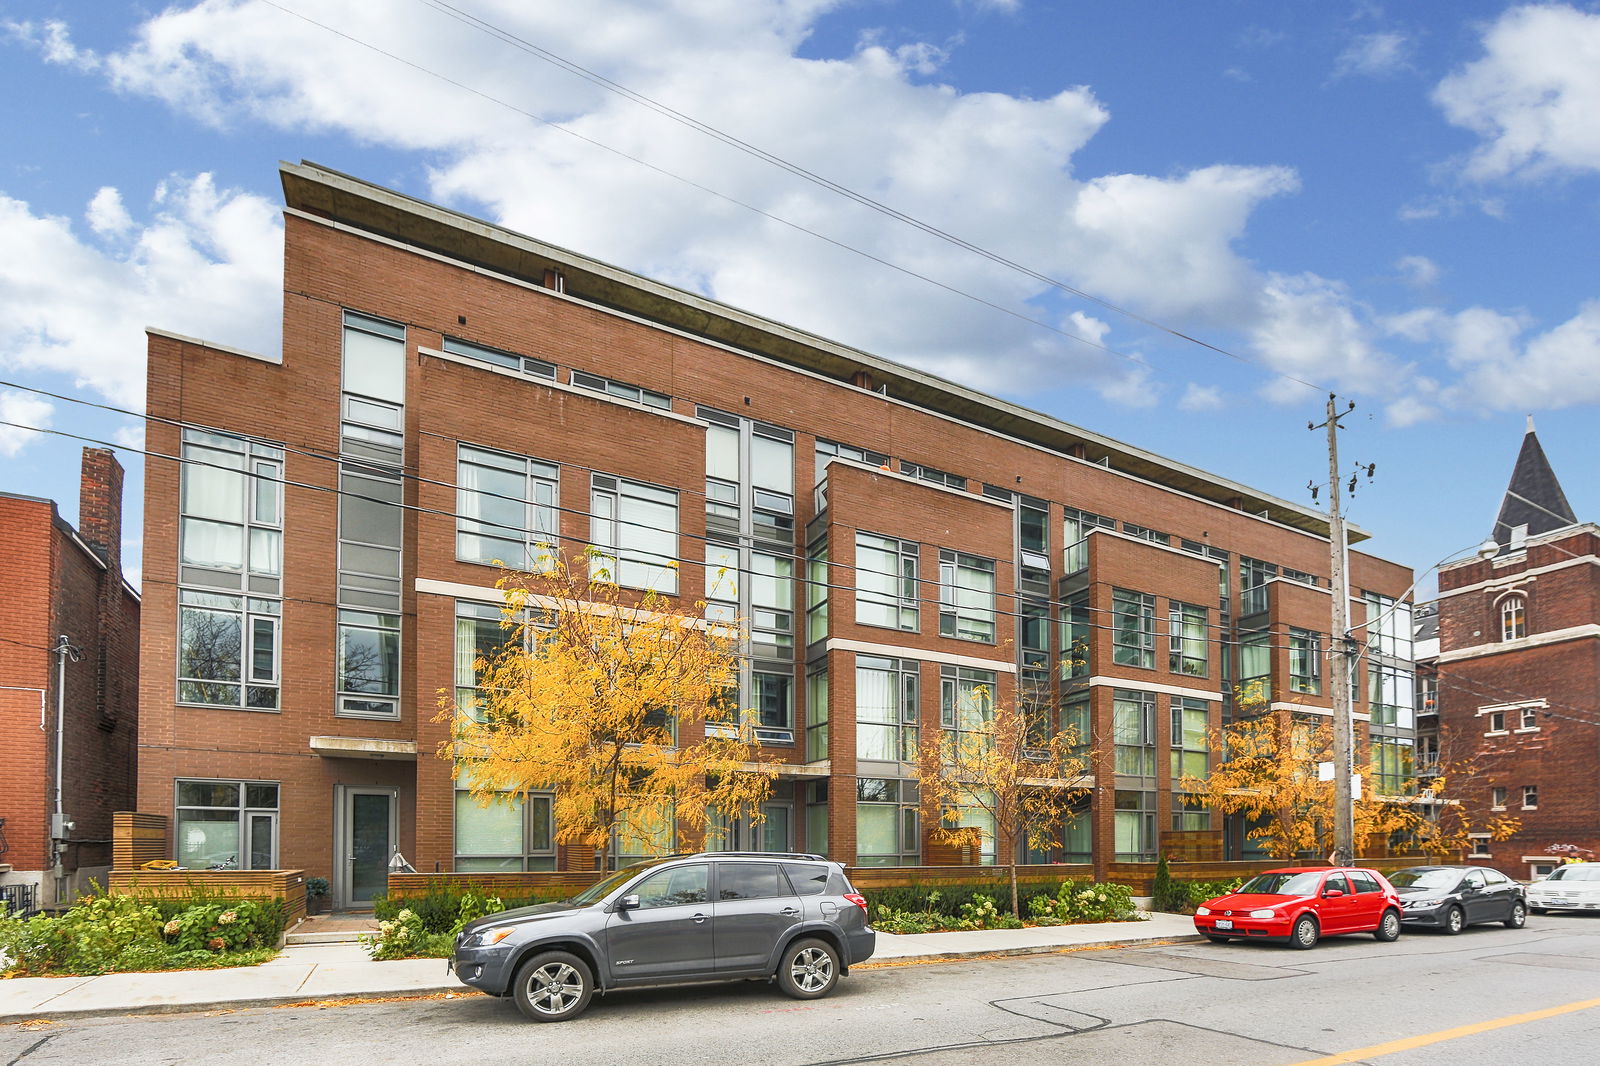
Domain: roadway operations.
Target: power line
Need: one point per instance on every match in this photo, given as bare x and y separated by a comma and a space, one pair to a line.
920, 601
770, 216
674, 115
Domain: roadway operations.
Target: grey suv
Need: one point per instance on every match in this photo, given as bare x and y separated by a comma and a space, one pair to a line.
712, 916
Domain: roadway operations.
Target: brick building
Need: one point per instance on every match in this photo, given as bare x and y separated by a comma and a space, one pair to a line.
1518, 672
64, 582
450, 393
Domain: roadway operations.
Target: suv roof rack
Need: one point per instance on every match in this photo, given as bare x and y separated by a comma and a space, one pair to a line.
767, 855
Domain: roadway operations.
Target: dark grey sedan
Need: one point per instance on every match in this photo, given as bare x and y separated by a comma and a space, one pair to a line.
1450, 898
791, 919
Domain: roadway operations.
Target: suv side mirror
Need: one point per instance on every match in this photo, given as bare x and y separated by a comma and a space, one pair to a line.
627, 903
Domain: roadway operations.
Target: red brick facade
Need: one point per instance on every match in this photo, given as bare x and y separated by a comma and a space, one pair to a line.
1524, 699
62, 582
438, 275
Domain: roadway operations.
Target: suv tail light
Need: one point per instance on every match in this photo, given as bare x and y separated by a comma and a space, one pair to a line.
857, 898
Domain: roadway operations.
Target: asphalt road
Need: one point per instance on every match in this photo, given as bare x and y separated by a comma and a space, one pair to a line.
1489, 997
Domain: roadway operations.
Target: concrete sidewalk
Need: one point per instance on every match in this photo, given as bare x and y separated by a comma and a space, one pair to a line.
314, 972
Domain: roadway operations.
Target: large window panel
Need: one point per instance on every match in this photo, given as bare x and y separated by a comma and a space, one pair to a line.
966, 597
369, 664
886, 582
635, 531
1133, 635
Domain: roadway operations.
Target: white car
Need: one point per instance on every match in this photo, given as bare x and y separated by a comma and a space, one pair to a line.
1575, 887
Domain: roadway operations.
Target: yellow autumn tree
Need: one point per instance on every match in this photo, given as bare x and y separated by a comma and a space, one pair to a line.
1451, 809
615, 702
1269, 775
1001, 773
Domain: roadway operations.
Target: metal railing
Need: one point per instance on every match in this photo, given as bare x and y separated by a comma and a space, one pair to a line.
19, 899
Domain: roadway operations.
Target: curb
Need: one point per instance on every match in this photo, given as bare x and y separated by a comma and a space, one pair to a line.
232, 1004
1040, 949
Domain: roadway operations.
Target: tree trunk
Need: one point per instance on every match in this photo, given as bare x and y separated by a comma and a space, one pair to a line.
1015, 912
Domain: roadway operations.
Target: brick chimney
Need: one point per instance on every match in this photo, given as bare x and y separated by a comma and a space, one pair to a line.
100, 505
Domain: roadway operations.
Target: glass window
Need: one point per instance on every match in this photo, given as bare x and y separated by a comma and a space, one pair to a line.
1255, 662
677, 887
807, 878
1134, 826
537, 368
1393, 694
622, 390
1513, 618
1388, 625
634, 528
369, 664
1394, 764
228, 650
817, 716
827, 449
937, 477
966, 597
751, 880
505, 510
1076, 637
1530, 796
886, 709
1191, 750
226, 825
1133, 717
966, 701
507, 834
231, 512
479, 636
1253, 577
374, 357
886, 582
774, 701
887, 826
1305, 661
817, 592
1133, 632
1075, 535
1188, 650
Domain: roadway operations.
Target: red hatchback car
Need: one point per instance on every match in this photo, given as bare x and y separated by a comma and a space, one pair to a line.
1302, 905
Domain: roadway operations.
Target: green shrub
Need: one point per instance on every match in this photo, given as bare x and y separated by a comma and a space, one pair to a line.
1200, 891
407, 934
107, 934
1073, 904
1168, 895
440, 907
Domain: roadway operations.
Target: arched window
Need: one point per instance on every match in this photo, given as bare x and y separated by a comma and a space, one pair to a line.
1513, 617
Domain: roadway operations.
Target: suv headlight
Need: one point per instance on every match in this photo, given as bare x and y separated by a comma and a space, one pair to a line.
488, 937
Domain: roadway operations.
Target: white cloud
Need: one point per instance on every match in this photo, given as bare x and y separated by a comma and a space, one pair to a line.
1534, 97
1374, 55
1502, 367
106, 215
23, 410
1311, 331
868, 120
1418, 271
1201, 398
205, 263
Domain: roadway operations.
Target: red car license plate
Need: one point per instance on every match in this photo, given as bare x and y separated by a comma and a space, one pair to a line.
1223, 923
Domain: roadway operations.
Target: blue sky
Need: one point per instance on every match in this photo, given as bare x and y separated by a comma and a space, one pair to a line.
1397, 202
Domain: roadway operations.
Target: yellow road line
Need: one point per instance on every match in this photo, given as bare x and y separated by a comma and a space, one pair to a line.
1410, 1042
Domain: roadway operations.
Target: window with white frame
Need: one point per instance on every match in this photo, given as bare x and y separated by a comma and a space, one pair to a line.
1076, 527
888, 826
634, 530
1493, 721
231, 567
1388, 625
1133, 730
1191, 748
505, 509
622, 390
1530, 797
1528, 718
1514, 617
886, 582
226, 825
1479, 843
1133, 629
1134, 825
1497, 797
887, 709
1188, 652
966, 596
504, 833
522, 364
1305, 661
368, 664
966, 700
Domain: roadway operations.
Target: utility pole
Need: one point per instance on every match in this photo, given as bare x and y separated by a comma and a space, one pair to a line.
1344, 815
60, 825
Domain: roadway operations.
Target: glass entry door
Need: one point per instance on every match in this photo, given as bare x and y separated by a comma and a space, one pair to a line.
368, 842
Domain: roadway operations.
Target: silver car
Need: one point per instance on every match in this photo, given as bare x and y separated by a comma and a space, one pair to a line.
790, 919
